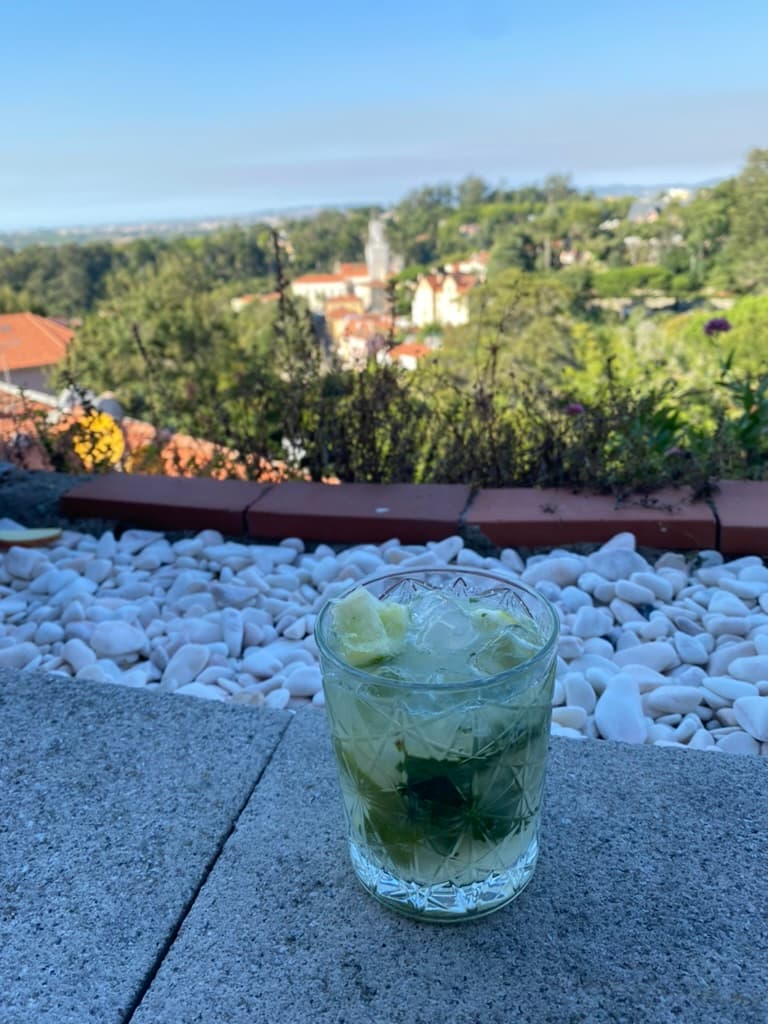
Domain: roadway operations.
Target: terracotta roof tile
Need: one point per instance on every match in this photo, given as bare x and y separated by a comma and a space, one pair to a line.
410, 348
353, 270
319, 279
28, 340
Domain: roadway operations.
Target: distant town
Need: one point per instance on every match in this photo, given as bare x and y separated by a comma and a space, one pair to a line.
393, 343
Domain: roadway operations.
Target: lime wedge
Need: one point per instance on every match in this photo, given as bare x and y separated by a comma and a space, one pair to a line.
488, 620
367, 629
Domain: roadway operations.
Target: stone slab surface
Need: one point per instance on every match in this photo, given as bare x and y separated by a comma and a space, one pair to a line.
113, 804
358, 513
161, 502
511, 516
649, 904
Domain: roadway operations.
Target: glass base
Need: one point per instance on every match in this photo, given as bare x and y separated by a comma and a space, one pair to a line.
446, 902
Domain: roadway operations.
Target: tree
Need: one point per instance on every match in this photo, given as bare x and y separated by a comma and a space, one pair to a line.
747, 249
514, 247
472, 192
416, 221
705, 223
524, 318
317, 242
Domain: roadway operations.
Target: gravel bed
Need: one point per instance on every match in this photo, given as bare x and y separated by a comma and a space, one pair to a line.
671, 650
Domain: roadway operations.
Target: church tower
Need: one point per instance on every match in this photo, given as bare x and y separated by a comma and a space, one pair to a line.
377, 254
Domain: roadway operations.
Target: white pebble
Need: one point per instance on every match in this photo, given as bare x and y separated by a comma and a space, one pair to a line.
724, 603
444, 550
659, 655
619, 713
690, 649
579, 693
728, 688
185, 665
562, 571
570, 716
570, 647
116, 639
752, 715
738, 743
591, 622
751, 670
77, 654
616, 563
25, 563
511, 560
18, 656
687, 675
262, 664
206, 691
665, 700
304, 680
597, 645
688, 728
572, 598
702, 740
656, 585
277, 698
565, 732
634, 593
659, 731
625, 612
233, 630
48, 633
724, 654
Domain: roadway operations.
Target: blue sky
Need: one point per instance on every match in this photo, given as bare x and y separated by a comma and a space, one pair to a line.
160, 109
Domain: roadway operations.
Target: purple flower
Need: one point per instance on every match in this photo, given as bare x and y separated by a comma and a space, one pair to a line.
717, 325
574, 409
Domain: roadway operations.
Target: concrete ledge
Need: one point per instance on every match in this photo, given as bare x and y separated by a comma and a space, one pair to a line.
648, 905
113, 806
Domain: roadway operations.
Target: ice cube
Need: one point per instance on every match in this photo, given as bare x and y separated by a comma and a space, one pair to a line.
442, 623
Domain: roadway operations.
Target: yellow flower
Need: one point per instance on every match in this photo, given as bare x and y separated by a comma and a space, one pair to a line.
97, 440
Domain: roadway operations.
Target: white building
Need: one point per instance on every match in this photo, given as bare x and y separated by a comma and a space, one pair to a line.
442, 299
316, 288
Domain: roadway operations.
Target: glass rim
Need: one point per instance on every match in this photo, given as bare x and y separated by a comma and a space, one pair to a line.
372, 679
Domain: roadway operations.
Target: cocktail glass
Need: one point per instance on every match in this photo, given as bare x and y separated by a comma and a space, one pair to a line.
442, 766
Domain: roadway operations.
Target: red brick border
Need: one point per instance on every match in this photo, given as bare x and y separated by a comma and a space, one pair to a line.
165, 503
742, 510
735, 519
357, 513
537, 518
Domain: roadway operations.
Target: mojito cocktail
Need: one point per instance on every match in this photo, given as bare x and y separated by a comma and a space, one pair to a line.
438, 685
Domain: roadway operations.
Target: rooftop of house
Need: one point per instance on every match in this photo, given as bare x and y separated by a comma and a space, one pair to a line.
353, 270
368, 325
320, 279
465, 282
410, 348
28, 340
433, 281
